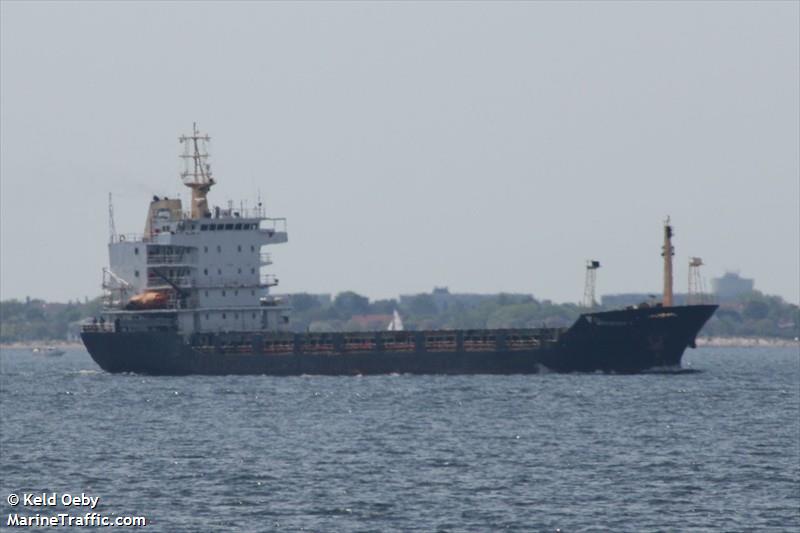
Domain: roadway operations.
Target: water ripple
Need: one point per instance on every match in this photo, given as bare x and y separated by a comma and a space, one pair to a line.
714, 446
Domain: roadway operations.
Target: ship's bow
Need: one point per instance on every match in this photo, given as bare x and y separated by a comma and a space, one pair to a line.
631, 340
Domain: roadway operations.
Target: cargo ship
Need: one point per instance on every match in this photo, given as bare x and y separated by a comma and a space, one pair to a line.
188, 296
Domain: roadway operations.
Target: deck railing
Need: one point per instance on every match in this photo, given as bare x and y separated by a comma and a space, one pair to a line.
453, 341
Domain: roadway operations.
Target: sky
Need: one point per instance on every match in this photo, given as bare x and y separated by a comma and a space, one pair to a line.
481, 146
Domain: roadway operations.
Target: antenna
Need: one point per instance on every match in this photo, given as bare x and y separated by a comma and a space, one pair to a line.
667, 251
197, 172
697, 289
112, 230
588, 289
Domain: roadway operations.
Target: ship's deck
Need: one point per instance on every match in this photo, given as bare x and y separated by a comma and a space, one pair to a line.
485, 340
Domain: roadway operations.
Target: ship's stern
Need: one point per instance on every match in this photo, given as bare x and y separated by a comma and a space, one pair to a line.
141, 352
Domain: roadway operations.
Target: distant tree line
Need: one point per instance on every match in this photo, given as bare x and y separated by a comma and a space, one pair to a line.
755, 315
422, 312
752, 315
37, 320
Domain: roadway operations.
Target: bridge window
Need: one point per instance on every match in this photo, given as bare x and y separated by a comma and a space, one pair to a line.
212, 227
203, 227
238, 226
228, 226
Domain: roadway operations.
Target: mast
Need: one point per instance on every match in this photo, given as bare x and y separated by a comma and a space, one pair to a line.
197, 172
667, 252
112, 230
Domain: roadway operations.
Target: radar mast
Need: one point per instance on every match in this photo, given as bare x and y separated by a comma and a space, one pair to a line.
197, 171
589, 300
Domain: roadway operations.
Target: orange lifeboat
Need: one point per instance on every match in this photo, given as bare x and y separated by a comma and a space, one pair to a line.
149, 300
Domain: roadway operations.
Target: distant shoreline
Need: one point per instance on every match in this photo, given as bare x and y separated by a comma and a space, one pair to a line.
747, 342
27, 345
729, 342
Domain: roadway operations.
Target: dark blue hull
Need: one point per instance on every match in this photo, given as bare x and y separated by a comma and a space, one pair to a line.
625, 341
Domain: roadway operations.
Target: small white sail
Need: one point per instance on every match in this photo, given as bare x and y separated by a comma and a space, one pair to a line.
396, 324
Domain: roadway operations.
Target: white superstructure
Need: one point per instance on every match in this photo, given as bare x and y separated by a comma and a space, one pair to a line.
198, 271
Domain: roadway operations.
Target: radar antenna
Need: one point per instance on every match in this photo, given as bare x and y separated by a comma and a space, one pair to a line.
588, 290
197, 172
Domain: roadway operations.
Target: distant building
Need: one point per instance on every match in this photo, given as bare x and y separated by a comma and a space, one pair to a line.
731, 285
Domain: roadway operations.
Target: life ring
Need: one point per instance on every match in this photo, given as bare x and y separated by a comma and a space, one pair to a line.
122, 238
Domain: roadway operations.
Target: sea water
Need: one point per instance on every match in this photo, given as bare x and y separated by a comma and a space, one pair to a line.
715, 446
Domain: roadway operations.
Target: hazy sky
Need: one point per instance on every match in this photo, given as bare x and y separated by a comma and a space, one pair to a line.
482, 146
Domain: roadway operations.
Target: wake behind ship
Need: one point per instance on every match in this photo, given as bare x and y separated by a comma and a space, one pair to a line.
188, 297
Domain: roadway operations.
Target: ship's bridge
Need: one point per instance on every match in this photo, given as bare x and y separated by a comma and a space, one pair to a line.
270, 230
204, 264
